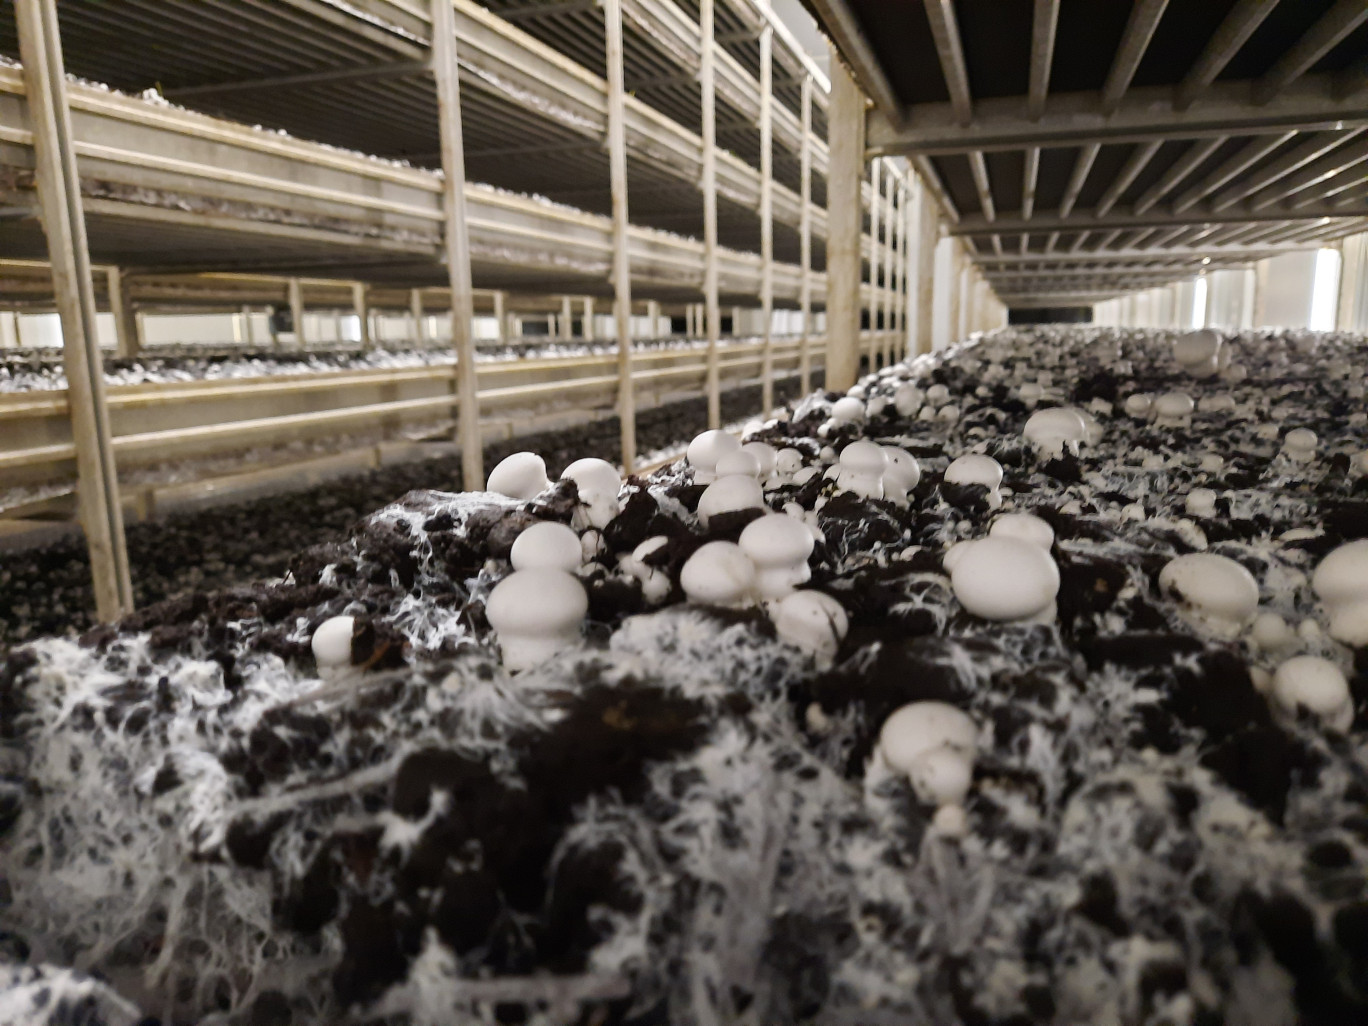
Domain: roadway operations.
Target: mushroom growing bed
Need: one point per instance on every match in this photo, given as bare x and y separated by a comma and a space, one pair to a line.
1066, 724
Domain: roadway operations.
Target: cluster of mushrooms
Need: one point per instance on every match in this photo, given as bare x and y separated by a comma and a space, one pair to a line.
1007, 576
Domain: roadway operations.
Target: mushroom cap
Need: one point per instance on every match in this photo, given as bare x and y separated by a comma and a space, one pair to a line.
738, 462
848, 410
536, 601
1049, 430
765, 453
812, 621
1217, 591
595, 475
1301, 440
788, 461
922, 727
1317, 685
729, 494
1198, 348
1025, 526
973, 468
937, 394
865, 458
1003, 579
547, 544
1174, 404
1200, 502
718, 573
776, 539
1139, 404
907, 399
706, 449
942, 776
331, 642
903, 471
521, 475
1342, 576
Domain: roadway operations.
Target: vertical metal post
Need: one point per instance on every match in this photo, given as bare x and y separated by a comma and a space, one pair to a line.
416, 315
362, 313
127, 336
456, 239
588, 316
296, 296
926, 271
876, 184
248, 331
63, 217
622, 270
846, 119
912, 214
767, 215
706, 80
805, 239
890, 292
501, 318
567, 320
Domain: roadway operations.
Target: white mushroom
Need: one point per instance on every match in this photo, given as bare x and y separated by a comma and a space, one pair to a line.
1200, 502
1051, 432
812, 621
598, 483
862, 469
704, 452
1006, 579
908, 399
1173, 409
1025, 526
1215, 593
848, 410
1300, 444
902, 473
1341, 583
535, 614
934, 745
739, 462
729, 495
655, 582
719, 574
1139, 405
766, 454
973, 468
1270, 633
779, 546
1317, 686
519, 476
547, 544
331, 644
1198, 352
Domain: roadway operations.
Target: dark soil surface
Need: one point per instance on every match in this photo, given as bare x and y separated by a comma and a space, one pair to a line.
48, 590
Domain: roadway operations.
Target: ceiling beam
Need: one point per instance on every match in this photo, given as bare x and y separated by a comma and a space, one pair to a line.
1028, 182
1135, 163
1239, 162
1075, 119
1199, 152
1308, 152
950, 50
1225, 43
843, 27
1135, 40
979, 167
1044, 24
1314, 173
1131, 256
1320, 39
1085, 220
1086, 156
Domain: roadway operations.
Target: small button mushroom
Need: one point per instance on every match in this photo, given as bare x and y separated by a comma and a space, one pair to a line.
1317, 686
812, 621
848, 410
1300, 444
973, 468
1214, 593
1139, 405
1216, 404
719, 574
779, 545
1198, 352
1210, 463
332, 646
519, 476
1341, 583
535, 614
902, 473
738, 462
730, 495
1006, 579
908, 399
1270, 633
1200, 502
1173, 409
788, 462
704, 452
1031, 393
655, 582
1051, 432
766, 454
936, 395
862, 469
598, 483
1025, 526
934, 745
547, 544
